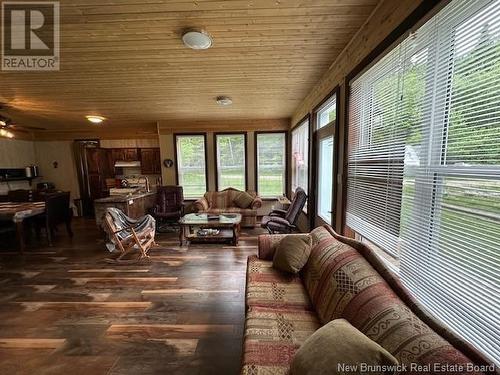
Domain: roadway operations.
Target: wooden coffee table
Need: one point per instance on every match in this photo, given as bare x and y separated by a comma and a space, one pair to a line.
227, 224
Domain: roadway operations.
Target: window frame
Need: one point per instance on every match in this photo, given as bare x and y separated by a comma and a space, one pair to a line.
330, 129
304, 120
245, 136
327, 100
176, 162
256, 169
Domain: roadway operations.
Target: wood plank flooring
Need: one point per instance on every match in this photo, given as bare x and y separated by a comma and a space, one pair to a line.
65, 310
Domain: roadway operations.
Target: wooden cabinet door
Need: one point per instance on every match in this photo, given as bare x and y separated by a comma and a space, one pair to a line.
130, 154
156, 161
96, 184
150, 161
147, 161
92, 155
117, 154
111, 162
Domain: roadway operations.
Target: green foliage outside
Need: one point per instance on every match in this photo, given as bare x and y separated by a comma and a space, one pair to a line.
191, 155
231, 161
271, 168
231, 148
472, 135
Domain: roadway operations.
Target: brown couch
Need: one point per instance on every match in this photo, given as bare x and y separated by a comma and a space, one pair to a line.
218, 202
343, 278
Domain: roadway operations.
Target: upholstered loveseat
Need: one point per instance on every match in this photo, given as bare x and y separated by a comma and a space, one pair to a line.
217, 202
343, 278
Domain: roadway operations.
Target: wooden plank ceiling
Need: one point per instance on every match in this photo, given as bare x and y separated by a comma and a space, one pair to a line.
124, 59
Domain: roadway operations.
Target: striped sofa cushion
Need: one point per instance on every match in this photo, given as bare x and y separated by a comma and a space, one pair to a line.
318, 234
272, 336
342, 284
268, 287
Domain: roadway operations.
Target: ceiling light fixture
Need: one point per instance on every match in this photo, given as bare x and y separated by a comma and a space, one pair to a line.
224, 100
197, 39
6, 133
4, 121
95, 119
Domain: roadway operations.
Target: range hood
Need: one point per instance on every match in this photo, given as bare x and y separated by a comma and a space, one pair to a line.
127, 164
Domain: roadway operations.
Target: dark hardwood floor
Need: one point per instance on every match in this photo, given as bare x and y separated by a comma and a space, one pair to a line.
65, 310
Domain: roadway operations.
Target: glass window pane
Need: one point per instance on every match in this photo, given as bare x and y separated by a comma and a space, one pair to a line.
300, 156
231, 170
191, 165
327, 114
325, 179
271, 164
434, 100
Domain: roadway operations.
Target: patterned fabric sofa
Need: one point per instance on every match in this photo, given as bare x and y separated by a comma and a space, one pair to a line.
218, 202
342, 279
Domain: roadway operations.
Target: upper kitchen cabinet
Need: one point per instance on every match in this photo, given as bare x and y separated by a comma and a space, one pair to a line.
124, 154
117, 154
130, 154
150, 161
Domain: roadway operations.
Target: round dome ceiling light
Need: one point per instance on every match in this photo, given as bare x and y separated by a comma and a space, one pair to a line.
197, 39
95, 119
224, 100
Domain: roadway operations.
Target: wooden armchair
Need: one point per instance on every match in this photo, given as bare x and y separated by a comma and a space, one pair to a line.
128, 234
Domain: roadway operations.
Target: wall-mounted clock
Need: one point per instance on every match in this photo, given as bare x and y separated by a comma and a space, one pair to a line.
168, 163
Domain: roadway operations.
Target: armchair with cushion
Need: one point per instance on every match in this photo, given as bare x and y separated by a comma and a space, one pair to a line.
169, 204
231, 200
281, 221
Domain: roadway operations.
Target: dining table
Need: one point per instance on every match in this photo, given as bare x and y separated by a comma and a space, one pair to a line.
18, 212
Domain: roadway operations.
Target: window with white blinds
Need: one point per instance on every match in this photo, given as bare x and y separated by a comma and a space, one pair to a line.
424, 165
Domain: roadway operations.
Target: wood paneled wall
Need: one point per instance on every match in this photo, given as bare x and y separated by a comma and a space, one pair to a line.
102, 132
388, 20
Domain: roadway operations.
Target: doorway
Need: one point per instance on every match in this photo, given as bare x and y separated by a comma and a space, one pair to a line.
325, 127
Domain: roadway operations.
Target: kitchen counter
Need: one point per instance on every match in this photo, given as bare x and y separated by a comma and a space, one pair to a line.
133, 205
123, 198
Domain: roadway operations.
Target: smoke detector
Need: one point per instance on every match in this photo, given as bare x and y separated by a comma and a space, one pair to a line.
224, 100
197, 39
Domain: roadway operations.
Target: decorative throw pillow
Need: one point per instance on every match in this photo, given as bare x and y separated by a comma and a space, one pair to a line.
292, 252
339, 348
243, 200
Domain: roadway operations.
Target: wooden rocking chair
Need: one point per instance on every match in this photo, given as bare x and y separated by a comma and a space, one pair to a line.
128, 234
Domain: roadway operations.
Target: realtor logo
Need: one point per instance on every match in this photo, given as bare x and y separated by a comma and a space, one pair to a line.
30, 35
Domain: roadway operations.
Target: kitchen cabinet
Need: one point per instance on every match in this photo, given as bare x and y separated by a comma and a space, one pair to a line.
97, 185
150, 161
111, 161
130, 154
92, 155
134, 206
97, 162
124, 154
98, 169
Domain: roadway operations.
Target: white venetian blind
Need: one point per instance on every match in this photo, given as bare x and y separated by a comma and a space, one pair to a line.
424, 165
